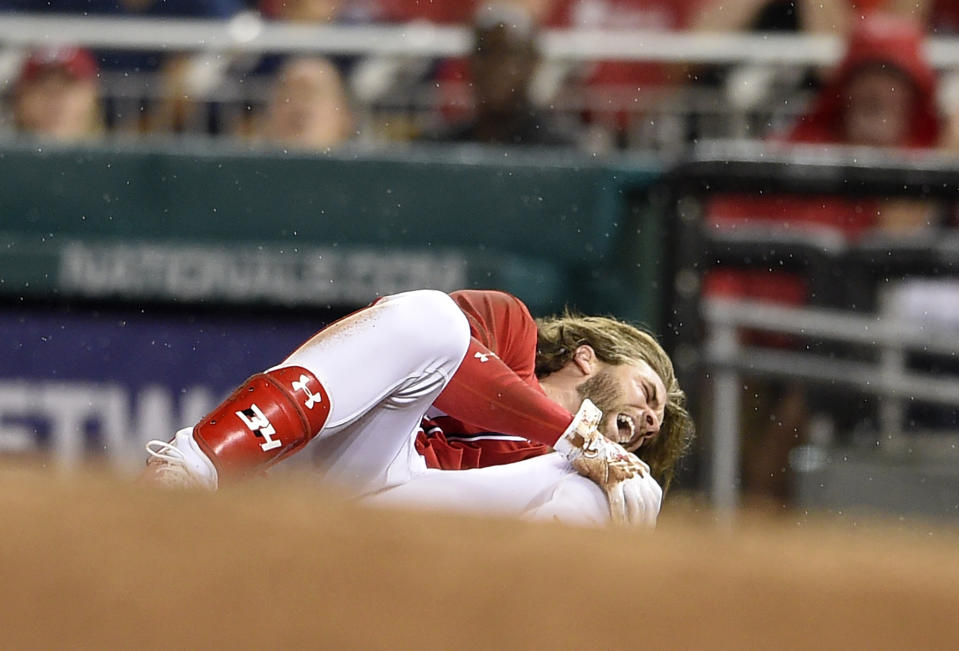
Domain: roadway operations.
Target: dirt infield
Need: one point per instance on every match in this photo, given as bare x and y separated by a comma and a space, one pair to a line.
91, 563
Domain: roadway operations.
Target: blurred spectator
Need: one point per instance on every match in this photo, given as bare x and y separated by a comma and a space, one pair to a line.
57, 95
303, 11
751, 89
501, 66
146, 61
619, 94
143, 105
811, 16
756, 86
609, 96
941, 16
170, 102
307, 12
185, 79
174, 107
882, 94
938, 17
308, 107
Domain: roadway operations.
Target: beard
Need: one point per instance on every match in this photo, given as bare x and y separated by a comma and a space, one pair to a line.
604, 391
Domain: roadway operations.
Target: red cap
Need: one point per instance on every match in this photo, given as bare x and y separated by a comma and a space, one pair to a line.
76, 62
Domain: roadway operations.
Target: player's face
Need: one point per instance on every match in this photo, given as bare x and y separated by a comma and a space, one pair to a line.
633, 400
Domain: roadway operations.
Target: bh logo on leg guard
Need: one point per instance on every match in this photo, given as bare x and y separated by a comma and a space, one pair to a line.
279, 411
260, 425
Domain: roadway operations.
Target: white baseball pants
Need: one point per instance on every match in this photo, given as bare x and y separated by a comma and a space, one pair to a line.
383, 367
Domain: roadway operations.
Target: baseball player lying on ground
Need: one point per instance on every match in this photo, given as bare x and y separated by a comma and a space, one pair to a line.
458, 400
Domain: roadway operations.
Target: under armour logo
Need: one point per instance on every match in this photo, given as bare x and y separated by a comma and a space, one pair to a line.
312, 398
484, 357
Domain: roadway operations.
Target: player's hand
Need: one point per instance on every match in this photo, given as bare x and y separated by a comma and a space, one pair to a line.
636, 501
634, 496
615, 470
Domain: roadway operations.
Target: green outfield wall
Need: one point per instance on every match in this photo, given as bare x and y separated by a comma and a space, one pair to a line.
206, 225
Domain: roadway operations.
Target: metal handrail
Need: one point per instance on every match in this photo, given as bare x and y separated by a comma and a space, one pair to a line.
727, 359
872, 330
248, 32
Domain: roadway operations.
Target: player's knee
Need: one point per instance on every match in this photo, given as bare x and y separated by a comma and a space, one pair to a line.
433, 319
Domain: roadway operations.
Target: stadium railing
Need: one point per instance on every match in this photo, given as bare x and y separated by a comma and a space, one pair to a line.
848, 280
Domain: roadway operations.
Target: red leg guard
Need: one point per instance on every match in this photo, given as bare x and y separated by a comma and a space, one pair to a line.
269, 417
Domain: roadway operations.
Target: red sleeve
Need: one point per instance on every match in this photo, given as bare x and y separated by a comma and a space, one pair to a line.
501, 322
495, 388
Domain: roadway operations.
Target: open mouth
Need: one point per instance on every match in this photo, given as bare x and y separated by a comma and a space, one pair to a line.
626, 428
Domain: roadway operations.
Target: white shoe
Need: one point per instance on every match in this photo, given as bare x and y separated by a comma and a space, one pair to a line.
181, 463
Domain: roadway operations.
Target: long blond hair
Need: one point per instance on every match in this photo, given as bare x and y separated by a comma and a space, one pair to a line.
617, 342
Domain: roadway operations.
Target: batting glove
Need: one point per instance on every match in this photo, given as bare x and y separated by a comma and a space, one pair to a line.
615, 470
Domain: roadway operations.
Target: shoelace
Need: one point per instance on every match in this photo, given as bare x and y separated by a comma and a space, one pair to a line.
170, 465
166, 452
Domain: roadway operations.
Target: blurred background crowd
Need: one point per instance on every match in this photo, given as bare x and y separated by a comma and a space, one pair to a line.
505, 89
